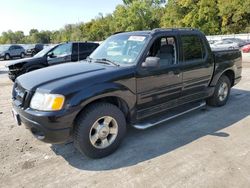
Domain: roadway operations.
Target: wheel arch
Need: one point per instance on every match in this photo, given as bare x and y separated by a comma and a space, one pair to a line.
115, 100
228, 72
7, 53
231, 75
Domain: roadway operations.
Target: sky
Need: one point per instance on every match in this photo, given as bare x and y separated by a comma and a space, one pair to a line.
50, 14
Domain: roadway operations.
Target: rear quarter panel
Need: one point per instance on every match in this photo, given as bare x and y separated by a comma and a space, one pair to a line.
224, 61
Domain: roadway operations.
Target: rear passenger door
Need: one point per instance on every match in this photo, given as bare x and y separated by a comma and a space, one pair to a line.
197, 67
18, 50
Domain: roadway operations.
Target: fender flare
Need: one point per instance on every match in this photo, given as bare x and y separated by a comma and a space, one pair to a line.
97, 92
218, 74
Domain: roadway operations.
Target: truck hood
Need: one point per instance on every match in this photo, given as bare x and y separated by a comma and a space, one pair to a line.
14, 62
34, 79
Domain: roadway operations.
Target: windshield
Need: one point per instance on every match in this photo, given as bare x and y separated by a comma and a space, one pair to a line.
4, 47
43, 52
122, 48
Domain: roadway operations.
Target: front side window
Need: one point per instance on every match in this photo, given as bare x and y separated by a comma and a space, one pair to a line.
63, 49
18, 47
122, 48
193, 48
165, 49
44, 51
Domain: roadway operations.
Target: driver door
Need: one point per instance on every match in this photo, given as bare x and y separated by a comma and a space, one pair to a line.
159, 88
60, 54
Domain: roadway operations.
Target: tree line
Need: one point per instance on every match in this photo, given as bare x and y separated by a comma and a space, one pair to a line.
210, 16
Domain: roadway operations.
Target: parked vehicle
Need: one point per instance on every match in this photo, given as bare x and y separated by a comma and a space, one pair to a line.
140, 78
61, 53
224, 45
33, 49
246, 48
212, 41
240, 42
13, 50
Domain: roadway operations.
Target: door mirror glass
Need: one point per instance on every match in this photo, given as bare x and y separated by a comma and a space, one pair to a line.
151, 62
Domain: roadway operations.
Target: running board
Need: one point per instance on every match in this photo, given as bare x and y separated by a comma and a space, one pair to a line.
170, 115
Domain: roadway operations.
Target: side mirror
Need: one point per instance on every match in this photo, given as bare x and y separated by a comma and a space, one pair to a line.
151, 62
50, 55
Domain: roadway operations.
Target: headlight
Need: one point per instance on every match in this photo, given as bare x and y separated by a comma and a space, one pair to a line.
47, 102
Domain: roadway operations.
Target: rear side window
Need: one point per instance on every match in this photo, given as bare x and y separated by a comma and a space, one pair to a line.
83, 47
192, 46
92, 46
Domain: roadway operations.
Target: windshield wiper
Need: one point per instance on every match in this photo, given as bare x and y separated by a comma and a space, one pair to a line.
107, 61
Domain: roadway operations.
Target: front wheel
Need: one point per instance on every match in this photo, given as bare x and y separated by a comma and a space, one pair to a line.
221, 93
99, 130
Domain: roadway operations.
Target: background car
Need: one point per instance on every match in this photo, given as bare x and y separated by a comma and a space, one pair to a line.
224, 44
246, 48
240, 42
52, 55
33, 49
9, 51
212, 41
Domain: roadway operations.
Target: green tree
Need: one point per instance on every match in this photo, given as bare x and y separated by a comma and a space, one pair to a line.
137, 15
201, 14
235, 15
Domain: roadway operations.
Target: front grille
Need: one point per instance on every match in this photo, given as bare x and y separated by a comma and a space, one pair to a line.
19, 94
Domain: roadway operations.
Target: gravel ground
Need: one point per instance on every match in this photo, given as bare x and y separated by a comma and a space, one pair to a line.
201, 149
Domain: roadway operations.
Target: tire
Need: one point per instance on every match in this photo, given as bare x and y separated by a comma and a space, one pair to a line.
86, 129
7, 57
22, 55
220, 95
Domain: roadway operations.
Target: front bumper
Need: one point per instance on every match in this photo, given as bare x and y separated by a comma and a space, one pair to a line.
29, 53
14, 73
50, 127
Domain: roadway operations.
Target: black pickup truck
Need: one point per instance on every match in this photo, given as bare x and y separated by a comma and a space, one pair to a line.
140, 78
55, 54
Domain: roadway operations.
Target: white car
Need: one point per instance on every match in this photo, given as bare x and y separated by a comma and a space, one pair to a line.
225, 44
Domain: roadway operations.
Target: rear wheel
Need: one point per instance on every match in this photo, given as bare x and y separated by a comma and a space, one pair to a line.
7, 57
221, 93
99, 130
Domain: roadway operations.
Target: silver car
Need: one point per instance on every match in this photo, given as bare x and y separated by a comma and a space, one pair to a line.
224, 44
9, 51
